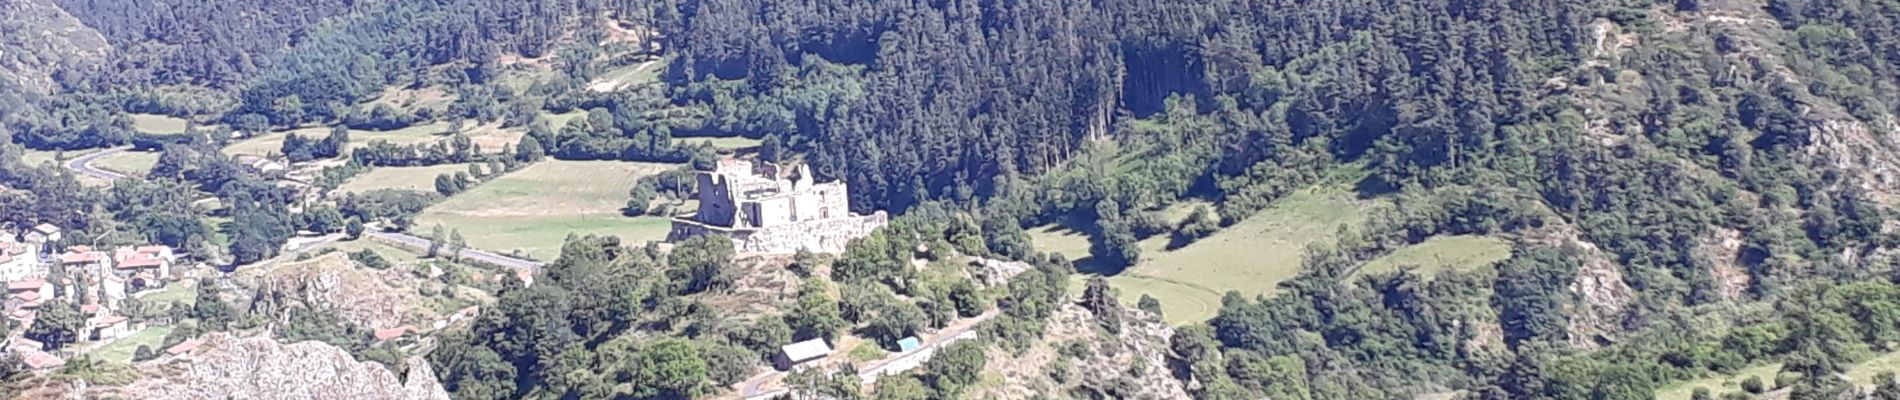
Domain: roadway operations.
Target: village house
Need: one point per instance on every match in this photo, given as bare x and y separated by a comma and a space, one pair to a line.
85, 259
261, 165
19, 260
792, 355
774, 210
110, 327
144, 265
29, 291
43, 234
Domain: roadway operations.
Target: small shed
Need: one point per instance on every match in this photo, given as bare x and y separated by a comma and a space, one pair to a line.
909, 344
796, 353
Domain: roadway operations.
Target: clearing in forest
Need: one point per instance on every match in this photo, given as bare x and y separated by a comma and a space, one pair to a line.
534, 209
158, 124
421, 179
1251, 257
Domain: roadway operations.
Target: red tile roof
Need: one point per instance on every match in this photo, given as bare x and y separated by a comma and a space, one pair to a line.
23, 342
184, 347
110, 320
89, 308
82, 257
137, 261
26, 284
30, 297
41, 360
392, 333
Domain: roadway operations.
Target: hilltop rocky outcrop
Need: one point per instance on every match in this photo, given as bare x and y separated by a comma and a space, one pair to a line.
257, 368
371, 298
227, 367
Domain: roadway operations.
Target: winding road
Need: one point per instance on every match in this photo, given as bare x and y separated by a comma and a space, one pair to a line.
473, 254
83, 164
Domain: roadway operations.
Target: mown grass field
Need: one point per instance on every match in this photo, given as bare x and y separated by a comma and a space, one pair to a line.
1250, 257
158, 124
1441, 253
420, 179
122, 350
534, 209
131, 163
1860, 374
726, 143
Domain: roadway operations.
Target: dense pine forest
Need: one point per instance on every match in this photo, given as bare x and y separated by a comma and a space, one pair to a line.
1690, 187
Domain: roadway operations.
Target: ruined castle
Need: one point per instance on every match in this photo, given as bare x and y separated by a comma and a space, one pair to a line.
765, 208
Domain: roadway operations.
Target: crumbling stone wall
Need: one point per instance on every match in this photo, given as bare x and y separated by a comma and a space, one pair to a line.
819, 236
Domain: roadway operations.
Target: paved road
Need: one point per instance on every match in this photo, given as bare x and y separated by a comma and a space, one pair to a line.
477, 255
83, 164
750, 388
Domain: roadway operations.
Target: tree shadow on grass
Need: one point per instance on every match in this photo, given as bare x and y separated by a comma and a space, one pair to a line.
1372, 186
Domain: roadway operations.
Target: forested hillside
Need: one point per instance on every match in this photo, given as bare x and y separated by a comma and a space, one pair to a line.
1688, 188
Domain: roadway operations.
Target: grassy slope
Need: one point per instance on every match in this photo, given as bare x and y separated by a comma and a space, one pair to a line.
1861, 374
133, 163
122, 350
1443, 252
734, 142
183, 292
534, 209
420, 179
1250, 257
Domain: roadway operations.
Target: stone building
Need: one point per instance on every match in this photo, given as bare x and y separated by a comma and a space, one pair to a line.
768, 209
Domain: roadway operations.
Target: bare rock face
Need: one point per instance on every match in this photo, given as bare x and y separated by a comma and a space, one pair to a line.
1131, 364
1599, 297
260, 368
1722, 250
1602, 298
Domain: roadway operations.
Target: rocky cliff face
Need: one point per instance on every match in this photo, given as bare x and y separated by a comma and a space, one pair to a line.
260, 368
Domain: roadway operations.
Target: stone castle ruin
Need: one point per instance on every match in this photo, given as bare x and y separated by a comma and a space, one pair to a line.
765, 208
